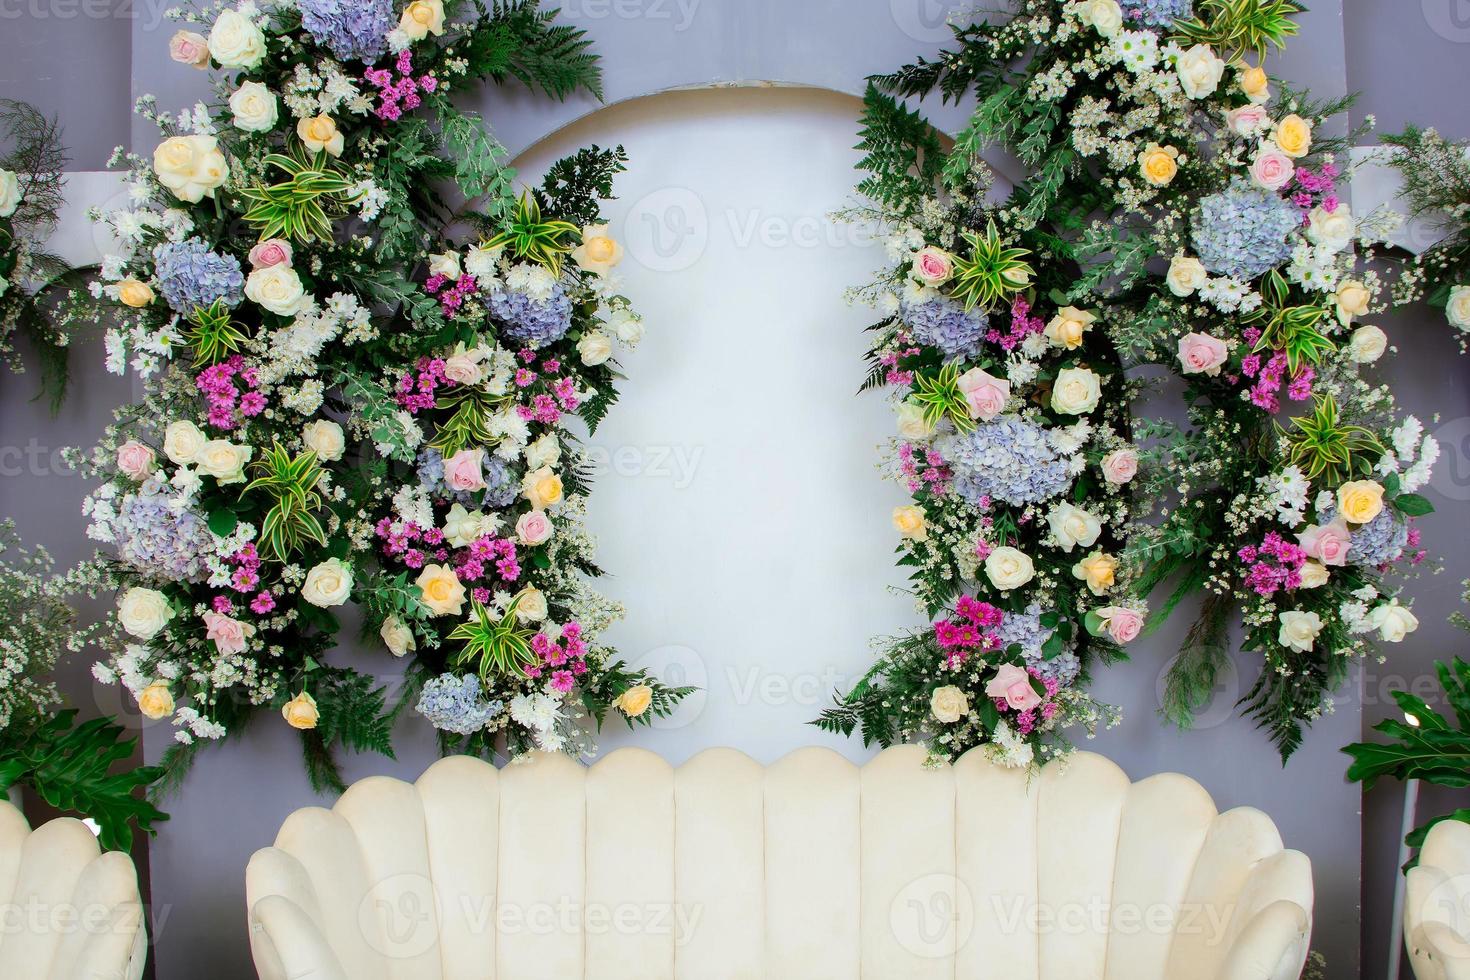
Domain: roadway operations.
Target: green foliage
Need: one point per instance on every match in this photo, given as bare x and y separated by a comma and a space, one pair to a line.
1292, 329
601, 693
469, 425
353, 711
529, 236
70, 766
901, 152
213, 333
1237, 27
297, 208
942, 398
576, 186
495, 648
518, 39
992, 273
480, 169
1190, 684
291, 483
1325, 447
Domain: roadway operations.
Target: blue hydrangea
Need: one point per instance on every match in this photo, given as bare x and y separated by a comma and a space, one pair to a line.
534, 323
457, 704
1157, 13
1007, 459
1244, 232
1378, 542
350, 28
943, 323
500, 484
190, 275
159, 541
1025, 630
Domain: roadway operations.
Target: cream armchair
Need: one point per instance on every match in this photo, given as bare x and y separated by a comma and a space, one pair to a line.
1437, 905
811, 868
69, 911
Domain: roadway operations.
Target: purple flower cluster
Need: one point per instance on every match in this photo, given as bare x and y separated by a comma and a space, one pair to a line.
1025, 630
1008, 459
531, 322
456, 704
191, 276
1380, 541
1244, 232
500, 487
1157, 13
350, 28
943, 323
158, 540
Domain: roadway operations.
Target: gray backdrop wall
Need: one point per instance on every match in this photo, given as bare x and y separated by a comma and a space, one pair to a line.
86, 59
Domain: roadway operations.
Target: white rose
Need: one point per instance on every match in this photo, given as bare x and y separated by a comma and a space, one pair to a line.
328, 584
1314, 575
1393, 621
1458, 310
1331, 229
545, 451
531, 606
1076, 391
182, 442
1186, 275
324, 437
190, 166
398, 636
4, 285
223, 460
9, 193
628, 327
1367, 344
1104, 16
445, 264
235, 41
143, 612
949, 704
277, 288
1299, 630
1008, 569
911, 421
255, 108
595, 348
1073, 526
1199, 71
462, 527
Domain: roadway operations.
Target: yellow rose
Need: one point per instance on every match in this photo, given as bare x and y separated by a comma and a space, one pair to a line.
1360, 501
442, 591
156, 701
131, 292
1159, 164
909, 522
635, 700
300, 712
320, 133
422, 18
541, 487
1353, 299
1098, 570
1186, 276
1068, 326
598, 252
1256, 84
1293, 136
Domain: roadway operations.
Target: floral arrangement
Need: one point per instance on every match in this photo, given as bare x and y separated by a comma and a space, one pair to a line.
42, 746
482, 541
1436, 187
1199, 198
269, 248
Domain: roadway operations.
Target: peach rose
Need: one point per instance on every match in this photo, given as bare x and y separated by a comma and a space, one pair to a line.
1272, 169
229, 635
1120, 465
301, 712
635, 700
136, 460
1199, 353
189, 48
463, 471
1327, 543
442, 590
986, 395
320, 133
1013, 685
272, 251
933, 266
1123, 624
156, 701
533, 528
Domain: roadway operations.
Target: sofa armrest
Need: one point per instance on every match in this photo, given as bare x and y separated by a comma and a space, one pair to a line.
287, 944
1272, 946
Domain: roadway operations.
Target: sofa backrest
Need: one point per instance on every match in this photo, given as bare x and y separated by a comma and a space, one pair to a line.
809, 868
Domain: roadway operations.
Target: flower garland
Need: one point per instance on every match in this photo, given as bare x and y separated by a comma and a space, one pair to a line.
269, 246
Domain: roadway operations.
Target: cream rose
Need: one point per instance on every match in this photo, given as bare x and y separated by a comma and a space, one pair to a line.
301, 712
531, 605
328, 584
324, 437
143, 612
442, 591
1076, 391
545, 451
398, 637
189, 48
933, 266
9, 193
135, 460
1068, 328
533, 528
1007, 568
223, 460
1457, 311
1367, 344
910, 523
461, 527
320, 134
1200, 71
1393, 621
1186, 276
1098, 570
1360, 501
1314, 575
595, 348
628, 326
912, 424
1331, 229
131, 292
949, 704
191, 167
1299, 630
1293, 135
541, 487
635, 700
182, 442
1256, 84
1120, 465
235, 41
1159, 165
984, 394
1199, 353
1271, 169
1247, 120
599, 251
1071, 526
422, 18
254, 107
1103, 16
446, 264
1353, 299
156, 701
277, 288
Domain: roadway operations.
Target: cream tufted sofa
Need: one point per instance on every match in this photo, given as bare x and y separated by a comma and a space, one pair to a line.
810, 868
69, 911
1437, 905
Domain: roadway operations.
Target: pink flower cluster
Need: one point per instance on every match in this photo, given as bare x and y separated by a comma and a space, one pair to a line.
1273, 565
1317, 186
566, 658
970, 629
220, 384
1269, 377
483, 560
470, 562
929, 472
245, 579
411, 544
452, 298
402, 93
890, 359
545, 408
416, 388
1023, 324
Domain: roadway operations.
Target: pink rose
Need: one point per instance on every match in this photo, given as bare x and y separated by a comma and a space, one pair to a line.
188, 48
1014, 685
228, 634
1272, 170
533, 528
462, 470
135, 460
1327, 543
1120, 465
1247, 120
272, 251
1199, 353
986, 395
1124, 625
463, 369
933, 266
